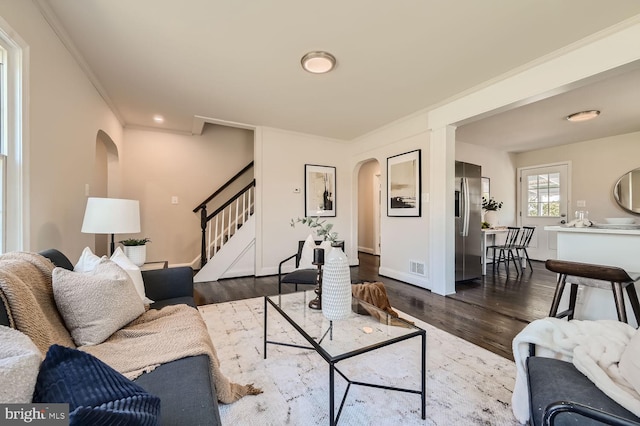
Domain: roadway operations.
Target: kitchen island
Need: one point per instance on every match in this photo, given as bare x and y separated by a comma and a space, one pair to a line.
603, 245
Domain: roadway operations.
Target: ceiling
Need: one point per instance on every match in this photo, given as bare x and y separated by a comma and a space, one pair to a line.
543, 124
239, 62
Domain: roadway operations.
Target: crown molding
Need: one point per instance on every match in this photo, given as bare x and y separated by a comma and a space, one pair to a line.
52, 19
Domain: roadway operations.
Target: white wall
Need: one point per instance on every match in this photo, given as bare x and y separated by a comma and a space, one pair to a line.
160, 165
500, 168
280, 158
596, 166
401, 238
65, 114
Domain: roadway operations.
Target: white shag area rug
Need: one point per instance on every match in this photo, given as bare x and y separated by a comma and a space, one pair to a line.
466, 384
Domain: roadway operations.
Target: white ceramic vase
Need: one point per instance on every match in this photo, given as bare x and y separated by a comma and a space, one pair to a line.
491, 217
336, 285
136, 254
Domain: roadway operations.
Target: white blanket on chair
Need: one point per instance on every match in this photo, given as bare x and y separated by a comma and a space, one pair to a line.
594, 347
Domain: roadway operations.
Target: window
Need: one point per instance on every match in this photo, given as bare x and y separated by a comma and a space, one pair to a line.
14, 212
3, 146
543, 195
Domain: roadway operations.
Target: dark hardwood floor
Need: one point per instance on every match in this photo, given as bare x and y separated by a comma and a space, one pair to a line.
488, 312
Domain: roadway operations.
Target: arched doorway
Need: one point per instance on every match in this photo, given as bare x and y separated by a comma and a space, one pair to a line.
369, 199
103, 173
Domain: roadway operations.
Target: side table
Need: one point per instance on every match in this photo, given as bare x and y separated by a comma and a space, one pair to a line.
160, 264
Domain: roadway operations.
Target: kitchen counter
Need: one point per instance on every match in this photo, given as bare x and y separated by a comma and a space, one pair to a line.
612, 246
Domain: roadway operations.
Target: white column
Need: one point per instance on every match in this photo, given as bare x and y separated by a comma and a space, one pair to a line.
441, 210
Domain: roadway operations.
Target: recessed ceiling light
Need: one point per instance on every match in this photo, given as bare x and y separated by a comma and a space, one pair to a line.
583, 115
158, 119
318, 62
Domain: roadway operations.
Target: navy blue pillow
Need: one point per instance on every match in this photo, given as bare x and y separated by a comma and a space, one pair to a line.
96, 393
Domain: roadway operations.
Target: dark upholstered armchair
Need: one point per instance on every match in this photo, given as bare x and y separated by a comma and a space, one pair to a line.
561, 395
299, 276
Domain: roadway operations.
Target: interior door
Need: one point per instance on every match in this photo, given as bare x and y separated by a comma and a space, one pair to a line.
544, 201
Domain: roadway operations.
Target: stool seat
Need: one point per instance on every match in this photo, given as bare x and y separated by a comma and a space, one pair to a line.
598, 276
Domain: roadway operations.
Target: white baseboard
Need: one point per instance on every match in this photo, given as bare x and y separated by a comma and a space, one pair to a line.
367, 250
405, 277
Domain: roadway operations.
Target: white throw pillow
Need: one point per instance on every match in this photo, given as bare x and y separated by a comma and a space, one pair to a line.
629, 364
87, 262
134, 272
306, 257
94, 305
19, 364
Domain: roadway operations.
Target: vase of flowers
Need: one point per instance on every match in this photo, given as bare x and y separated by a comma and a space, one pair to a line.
490, 209
136, 250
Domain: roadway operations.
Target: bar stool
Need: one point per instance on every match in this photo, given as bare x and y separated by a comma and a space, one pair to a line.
599, 276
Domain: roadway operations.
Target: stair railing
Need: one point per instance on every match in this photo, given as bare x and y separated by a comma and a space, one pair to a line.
223, 223
219, 226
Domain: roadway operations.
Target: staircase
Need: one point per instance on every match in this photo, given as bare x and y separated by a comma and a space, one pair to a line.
228, 234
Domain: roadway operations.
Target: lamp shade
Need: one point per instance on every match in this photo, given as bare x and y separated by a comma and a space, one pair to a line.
111, 216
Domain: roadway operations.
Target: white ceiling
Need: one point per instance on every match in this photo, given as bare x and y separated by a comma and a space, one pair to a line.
543, 124
239, 61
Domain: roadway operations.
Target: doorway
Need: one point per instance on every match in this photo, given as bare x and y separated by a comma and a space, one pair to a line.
544, 201
106, 159
369, 199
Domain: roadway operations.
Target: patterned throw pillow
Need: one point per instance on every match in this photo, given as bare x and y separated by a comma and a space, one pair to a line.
96, 393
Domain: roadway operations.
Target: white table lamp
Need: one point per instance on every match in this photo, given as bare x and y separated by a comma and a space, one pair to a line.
111, 216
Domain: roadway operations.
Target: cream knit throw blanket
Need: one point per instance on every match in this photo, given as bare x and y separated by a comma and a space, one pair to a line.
25, 285
154, 338
160, 336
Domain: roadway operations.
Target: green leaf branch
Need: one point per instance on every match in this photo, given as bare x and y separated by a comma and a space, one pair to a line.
321, 227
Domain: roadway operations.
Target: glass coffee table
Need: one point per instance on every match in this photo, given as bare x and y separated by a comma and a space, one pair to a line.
335, 341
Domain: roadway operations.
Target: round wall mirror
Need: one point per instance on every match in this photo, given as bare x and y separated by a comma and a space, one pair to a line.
626, 191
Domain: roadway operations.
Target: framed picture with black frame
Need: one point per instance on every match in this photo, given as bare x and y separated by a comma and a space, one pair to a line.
404, 185
319, 190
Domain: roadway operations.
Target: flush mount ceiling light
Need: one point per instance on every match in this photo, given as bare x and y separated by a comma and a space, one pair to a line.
583, 115
318, 62
158, 119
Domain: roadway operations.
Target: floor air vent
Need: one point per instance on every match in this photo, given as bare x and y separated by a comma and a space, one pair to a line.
417, 268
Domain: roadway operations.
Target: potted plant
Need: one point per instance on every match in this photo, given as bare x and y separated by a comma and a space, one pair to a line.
136, 249
490, 208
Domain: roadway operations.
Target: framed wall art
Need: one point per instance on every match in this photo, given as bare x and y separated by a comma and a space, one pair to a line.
319, 190
486, 188
404, 184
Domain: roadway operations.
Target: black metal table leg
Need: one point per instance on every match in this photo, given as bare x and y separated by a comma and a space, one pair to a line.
265, 328
332, 419
424, 375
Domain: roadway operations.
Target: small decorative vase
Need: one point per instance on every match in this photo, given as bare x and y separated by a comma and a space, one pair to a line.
336, 285
491, 217
136, 254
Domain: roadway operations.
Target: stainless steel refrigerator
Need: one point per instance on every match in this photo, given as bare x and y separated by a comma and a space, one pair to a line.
468, 209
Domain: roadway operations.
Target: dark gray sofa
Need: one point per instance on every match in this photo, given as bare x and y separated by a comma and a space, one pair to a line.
561, 395
187, 395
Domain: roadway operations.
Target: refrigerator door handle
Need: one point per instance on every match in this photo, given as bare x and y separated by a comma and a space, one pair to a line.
465, 210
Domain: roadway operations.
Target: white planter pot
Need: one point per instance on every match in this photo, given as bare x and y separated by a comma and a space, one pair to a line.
491, 216
336, 285
136, 254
